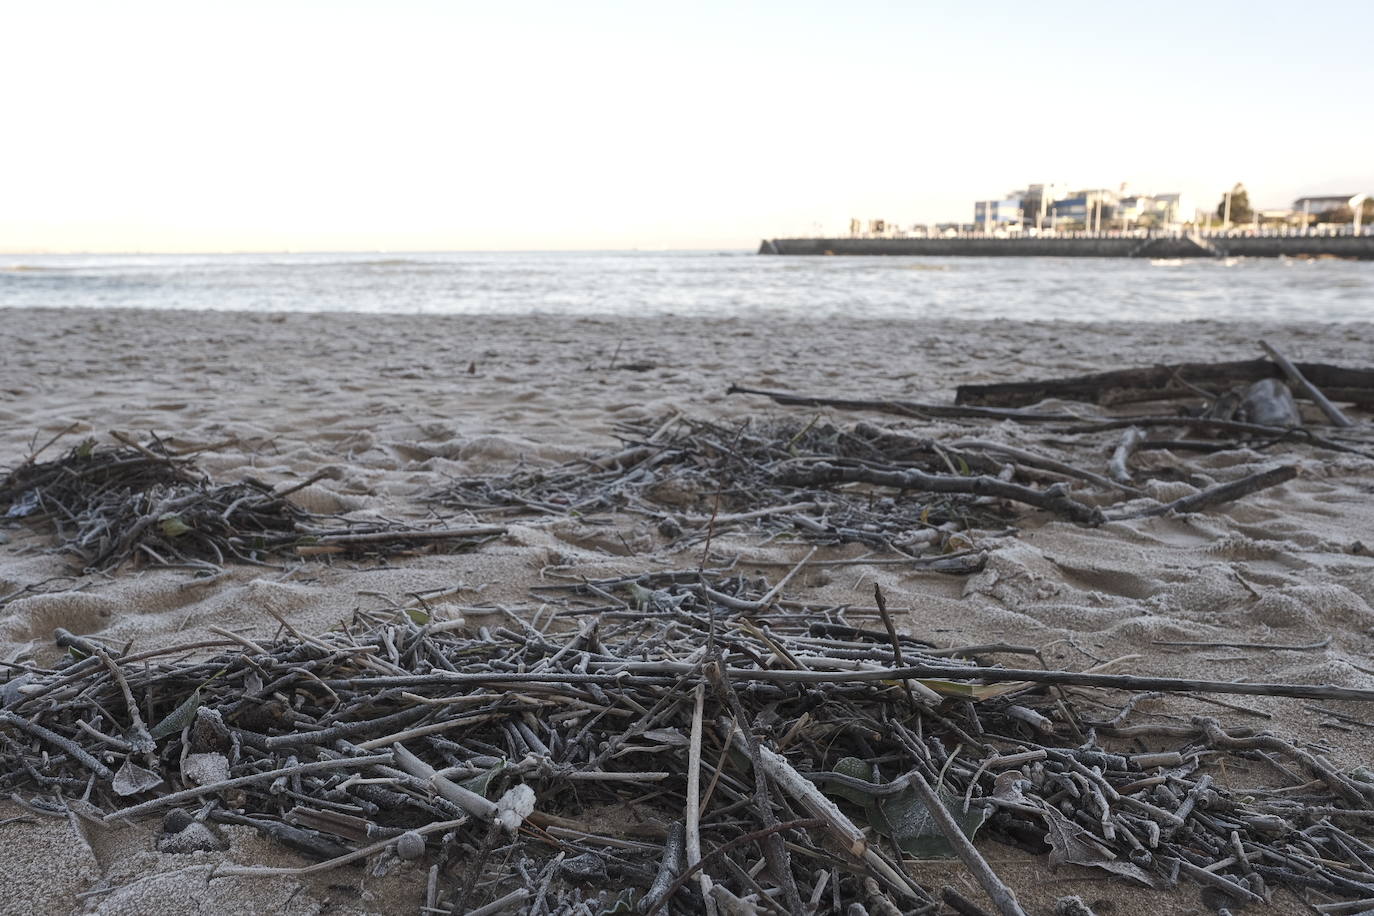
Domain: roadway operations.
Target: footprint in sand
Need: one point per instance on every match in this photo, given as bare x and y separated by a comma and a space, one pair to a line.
37, 616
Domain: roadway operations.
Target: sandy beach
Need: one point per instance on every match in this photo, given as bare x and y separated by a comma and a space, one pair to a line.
401, 406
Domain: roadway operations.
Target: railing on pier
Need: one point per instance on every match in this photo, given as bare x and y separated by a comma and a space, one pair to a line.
1263, 232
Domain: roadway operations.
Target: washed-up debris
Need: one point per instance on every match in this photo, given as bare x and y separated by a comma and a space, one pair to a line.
699, 744
141, 503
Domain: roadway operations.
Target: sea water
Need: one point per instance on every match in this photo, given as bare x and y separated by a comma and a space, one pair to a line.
701, 283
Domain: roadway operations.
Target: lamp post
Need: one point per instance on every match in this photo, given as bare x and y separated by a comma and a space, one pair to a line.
1357, 208
1226, 213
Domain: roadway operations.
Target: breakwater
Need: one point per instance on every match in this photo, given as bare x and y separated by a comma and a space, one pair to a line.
1089, 246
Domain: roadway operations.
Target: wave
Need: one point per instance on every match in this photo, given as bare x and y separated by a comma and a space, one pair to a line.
387, 262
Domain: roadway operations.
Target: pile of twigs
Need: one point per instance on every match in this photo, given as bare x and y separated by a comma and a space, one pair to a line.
691, 747
820, 482
110, 505
884, 486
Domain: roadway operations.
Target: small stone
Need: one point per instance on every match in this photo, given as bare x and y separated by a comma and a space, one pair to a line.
175, 821
410, 846
197, 836
204, 769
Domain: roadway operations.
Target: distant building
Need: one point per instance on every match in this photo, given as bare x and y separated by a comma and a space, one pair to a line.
1328, 203
1277, 217
994, 214
1170, 209
1089, 209
1331, 208
1036, 200
1131, 209
1056, 207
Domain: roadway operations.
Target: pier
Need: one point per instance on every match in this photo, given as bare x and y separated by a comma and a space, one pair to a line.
1089, 245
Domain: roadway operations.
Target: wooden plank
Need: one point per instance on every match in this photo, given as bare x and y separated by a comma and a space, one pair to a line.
1169, 382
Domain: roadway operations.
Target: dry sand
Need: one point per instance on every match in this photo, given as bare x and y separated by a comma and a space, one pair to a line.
392, 403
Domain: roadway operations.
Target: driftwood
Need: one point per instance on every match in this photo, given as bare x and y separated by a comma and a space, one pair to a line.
1162, 383
1222, 493
1305, 385
902, 407
1055, 498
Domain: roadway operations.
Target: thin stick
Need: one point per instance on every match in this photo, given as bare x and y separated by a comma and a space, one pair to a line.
1221, 493
433, 534
71, 747
263, 871
1331, 410
775, 851
44, 447
763, 834
991, 675
177, 798
996, 889
142, 741
1049, 464
501, 903
782, 583
241, 640
1297, 647
892, 635
693, 814
1054, 498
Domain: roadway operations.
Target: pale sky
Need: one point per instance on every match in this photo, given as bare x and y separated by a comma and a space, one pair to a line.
410, 125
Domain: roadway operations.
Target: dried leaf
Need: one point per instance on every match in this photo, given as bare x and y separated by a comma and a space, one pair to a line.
971, 691
1071, 843
178, 718
172, 526
133, 779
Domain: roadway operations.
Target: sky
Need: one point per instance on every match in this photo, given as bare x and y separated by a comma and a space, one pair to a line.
414, 125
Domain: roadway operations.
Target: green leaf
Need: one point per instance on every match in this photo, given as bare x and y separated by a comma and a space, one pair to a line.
172, 526
905, 818
86, 448
482, 781
178, 718
641, 595
854, 768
